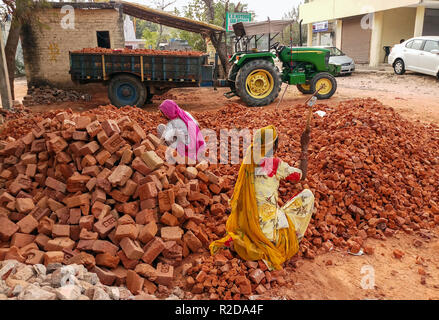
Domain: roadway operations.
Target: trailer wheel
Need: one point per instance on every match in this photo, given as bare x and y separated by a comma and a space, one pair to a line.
328, 84
127, 90
258, 83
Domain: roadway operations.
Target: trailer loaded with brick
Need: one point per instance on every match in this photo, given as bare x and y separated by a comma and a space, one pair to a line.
135, 76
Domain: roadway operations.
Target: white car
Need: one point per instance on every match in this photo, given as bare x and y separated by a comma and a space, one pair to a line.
419, 54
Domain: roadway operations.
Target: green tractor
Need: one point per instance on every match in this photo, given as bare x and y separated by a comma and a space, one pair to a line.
254, 76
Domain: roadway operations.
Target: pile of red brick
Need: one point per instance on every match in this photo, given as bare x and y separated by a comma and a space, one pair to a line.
85, 190
145, 52
226, 277
371, 171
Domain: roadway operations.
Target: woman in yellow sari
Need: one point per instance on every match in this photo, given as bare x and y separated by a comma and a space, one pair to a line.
257, 228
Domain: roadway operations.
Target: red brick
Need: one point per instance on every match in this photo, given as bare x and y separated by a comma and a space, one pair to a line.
24, 205
152, 250
86, 222
131, 249
120, 175
14, 254
106, 277
148, 232
134, 282
145, 216
107, 260
169, 220
34, 256
147, 191
130, 188
126, 230
217, 209
77, 201
89, 148
21, 240
88, 161
152, 160
101, 246
74, 216
110, 127
165, 274
100, 209
127, 263
57, 144
60, 243
27, 224
257, 275
88, 235
103, 156
93, 128
60, 230
7, 228
53, 257
55, 185
140, 166
192, 241
114, 143
171, 233
105, 225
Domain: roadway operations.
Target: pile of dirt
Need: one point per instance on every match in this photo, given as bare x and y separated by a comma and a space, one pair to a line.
143, 52
47, 95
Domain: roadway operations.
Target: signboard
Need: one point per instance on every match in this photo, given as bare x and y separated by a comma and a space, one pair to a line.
320, 26
235, 17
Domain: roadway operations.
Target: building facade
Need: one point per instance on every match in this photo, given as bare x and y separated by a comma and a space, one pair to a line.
362, 28
61, 29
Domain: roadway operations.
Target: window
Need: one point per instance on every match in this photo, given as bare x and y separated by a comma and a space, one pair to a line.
409, 44
431, 45
103, 39
417, 44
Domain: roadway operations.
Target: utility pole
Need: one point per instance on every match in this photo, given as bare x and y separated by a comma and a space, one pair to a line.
5, 89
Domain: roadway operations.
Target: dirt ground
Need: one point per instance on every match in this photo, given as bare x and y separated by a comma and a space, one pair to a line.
414, 96
338, 275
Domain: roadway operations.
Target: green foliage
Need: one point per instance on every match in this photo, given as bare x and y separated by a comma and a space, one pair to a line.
293, 31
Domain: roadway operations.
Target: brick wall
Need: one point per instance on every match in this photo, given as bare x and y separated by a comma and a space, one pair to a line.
46, 45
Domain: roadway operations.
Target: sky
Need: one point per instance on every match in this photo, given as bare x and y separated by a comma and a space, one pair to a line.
274, 9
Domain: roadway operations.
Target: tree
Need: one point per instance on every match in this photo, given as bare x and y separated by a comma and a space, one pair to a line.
293, 32
23, 12
162, 5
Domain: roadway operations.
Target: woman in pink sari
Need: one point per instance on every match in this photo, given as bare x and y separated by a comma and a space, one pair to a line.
182, 131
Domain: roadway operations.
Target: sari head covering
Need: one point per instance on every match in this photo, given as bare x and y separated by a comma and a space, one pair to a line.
172, 111
243, 224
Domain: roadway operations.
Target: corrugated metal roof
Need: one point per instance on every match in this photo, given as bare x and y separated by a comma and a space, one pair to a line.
167, 19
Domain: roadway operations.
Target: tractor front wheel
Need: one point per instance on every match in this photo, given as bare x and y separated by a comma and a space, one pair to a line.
326, 83
305, 88
258, 83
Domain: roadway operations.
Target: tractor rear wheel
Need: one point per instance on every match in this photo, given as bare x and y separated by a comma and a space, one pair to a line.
127, 90
326, 83
258, 83
305, 88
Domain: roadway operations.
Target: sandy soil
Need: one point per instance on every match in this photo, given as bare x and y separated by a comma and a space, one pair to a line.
337, 275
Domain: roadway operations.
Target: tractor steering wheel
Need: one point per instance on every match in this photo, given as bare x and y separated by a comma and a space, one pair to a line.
275, 45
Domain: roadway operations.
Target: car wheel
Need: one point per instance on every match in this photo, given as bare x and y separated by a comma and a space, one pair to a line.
399, 67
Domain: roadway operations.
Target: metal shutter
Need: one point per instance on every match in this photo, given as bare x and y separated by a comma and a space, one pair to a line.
355, 41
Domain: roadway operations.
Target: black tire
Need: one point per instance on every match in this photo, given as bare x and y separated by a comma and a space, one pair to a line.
241, 86
399, 67
303, 90
127, 90
320, 76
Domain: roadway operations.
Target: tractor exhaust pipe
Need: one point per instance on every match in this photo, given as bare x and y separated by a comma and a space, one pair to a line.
300, 32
